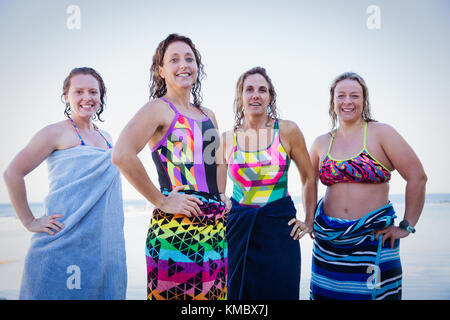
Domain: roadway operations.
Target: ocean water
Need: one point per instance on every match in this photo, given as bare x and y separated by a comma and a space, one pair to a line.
425, 255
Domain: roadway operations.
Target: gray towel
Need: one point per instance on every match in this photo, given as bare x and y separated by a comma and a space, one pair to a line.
86, 259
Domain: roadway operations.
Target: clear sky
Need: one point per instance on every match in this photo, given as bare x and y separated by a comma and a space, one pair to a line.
302, 44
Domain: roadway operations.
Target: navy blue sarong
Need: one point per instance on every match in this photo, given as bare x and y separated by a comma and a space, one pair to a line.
348, 263
263, 258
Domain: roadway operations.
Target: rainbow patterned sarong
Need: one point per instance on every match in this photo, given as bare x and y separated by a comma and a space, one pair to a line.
187, 257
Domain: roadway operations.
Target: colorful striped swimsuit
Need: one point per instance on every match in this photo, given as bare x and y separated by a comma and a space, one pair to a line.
264, 261
259, 177
187, 256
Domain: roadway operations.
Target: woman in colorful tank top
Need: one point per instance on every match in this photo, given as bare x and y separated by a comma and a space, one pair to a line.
356, 246
262, 229
186, 249
77, 250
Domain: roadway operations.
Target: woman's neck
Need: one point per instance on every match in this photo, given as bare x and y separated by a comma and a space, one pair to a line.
349, 128
83, 123
179, 97
255, 122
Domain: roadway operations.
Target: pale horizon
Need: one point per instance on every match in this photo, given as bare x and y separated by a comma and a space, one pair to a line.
400, 50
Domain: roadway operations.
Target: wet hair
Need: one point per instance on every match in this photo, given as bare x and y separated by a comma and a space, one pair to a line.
158, 84
366, 114
238, 105
101, 85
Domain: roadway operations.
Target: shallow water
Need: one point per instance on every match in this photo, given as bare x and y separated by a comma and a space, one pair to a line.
425, 255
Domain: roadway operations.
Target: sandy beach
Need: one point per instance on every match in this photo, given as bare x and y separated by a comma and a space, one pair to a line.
425, 256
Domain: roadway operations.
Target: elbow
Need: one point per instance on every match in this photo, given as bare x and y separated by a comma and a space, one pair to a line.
424, 178
420, 179
117, 157
7, 175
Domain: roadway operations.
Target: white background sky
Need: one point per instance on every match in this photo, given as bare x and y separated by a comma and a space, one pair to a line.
302, 44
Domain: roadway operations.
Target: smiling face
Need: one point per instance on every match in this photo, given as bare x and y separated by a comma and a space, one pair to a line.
348, 100
83, 96
255, 95
179, 67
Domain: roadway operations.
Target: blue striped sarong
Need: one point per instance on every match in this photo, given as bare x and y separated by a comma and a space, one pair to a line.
348, 263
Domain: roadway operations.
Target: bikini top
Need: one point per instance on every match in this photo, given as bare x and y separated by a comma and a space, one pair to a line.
259, 177
362, 168
81, 143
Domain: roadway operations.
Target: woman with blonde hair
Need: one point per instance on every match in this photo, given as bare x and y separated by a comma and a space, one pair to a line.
356, 246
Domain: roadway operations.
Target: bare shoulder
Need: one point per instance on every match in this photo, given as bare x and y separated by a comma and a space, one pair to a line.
227, 136
376, 125
54, 130
321, 141
156, 105
209, 113
289, 129
156, 111
287, 125
51, 136
382, 130
106, 135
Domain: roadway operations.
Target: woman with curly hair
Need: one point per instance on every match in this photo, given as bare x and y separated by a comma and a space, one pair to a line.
262, 229
186, 249
78, 247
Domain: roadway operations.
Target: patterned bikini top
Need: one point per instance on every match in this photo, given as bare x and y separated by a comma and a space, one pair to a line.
362, 168
259, 177
81, 143
185, 156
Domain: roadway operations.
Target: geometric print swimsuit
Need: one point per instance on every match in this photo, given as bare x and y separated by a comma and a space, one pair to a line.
187, 256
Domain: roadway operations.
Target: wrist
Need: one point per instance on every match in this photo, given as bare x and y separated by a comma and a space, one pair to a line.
160, 202
28, 222
404, 225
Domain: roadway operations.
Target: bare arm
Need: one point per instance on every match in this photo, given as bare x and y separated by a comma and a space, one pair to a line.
408, 165
410, 168
41, 145
131, 141
299, 154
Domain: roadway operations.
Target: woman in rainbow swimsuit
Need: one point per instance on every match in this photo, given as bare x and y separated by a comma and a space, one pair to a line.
356, 246
262, 229
186, 249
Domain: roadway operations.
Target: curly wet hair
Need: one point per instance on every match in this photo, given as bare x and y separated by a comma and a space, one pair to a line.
158, 84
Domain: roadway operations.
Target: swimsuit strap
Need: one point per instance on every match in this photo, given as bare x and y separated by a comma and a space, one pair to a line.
364, 139
78, 133
331, 142
107, 143
171, 105
179, 113
365, 135
82, 143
